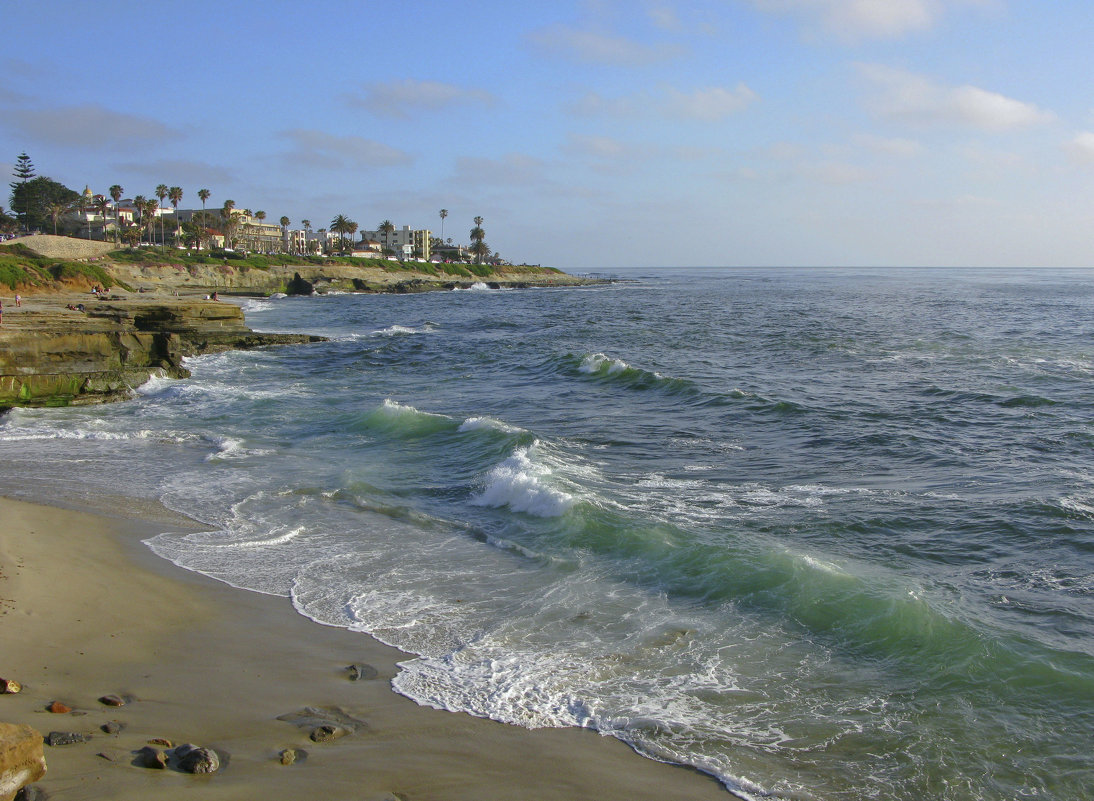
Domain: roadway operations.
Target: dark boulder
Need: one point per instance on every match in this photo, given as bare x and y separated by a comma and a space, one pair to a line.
196, 759
299, 286
359, 670
149, 757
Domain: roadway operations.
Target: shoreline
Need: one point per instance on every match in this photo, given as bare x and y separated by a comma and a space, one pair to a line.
87, 610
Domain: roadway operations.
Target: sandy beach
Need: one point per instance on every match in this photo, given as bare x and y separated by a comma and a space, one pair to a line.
86, 610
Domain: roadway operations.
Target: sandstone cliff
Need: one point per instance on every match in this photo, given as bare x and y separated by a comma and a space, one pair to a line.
51, 355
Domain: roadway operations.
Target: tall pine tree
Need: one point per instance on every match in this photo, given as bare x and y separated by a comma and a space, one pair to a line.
24, 171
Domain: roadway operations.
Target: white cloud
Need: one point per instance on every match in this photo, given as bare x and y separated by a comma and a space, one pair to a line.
708, 105
897, 147
906, 97
835, 173
401, 98
180, 171
331, 151
88, 126
511, 170
1081, 148
870, 19
598, 48
665, 17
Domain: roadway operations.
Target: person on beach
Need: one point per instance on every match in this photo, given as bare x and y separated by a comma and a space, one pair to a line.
18, 300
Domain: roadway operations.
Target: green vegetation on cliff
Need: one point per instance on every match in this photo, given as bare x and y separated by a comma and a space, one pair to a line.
22, 267
152, 257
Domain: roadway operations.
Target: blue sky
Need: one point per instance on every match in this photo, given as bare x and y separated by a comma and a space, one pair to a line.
589, 135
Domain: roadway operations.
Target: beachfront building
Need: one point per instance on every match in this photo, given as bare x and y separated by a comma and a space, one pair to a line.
405, 242
258, 236
368, 249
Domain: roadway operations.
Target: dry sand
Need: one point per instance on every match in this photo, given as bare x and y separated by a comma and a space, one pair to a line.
87, 610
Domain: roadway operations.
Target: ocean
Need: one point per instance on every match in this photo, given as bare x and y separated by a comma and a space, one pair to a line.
822, 533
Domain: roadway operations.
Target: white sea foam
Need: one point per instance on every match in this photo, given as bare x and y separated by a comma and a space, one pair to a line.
396, 411
157, 384
399, 330
234, 448
480, 423
600, 363
523, 486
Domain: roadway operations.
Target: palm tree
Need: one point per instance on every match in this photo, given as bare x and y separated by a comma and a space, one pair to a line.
307, 234
175, 194
478, 246
352, 231
101, 205
116, 195
341, 224
387, 228
151, 207
161, 193
138, 207
204, 195
443, 213
284, 232
231, 220
55, 210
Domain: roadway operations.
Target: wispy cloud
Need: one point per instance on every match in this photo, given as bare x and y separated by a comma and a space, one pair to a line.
1081, 148
708, 104
87, 126
511, 170
180, 172
665, 17
598, 48
404, 98
866, 19
898, 147
915, 99
331, 151
608, 155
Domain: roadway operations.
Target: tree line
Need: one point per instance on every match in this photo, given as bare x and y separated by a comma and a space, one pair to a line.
38, 203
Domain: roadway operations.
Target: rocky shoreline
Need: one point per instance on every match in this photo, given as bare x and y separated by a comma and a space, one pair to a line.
60, 350
66, 345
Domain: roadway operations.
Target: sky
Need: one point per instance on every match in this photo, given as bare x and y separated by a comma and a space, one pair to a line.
589, 134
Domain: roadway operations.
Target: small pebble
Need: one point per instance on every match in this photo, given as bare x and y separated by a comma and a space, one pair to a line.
55, 738
154, 758
111, 700
10, 686
327, 732
57, 708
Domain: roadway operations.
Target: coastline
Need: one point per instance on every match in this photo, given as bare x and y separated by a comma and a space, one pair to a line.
87, 610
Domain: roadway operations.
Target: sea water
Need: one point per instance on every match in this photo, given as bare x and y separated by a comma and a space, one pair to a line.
824, 534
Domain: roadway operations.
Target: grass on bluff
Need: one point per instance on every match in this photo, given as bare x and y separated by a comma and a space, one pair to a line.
21, 266
258, 261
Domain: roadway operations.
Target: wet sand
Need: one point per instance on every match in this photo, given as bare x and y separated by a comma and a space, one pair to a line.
87, 610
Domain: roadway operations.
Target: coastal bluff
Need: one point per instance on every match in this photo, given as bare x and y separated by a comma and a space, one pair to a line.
55, 355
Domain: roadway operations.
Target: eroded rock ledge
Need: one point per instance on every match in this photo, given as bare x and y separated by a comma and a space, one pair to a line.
51, 355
